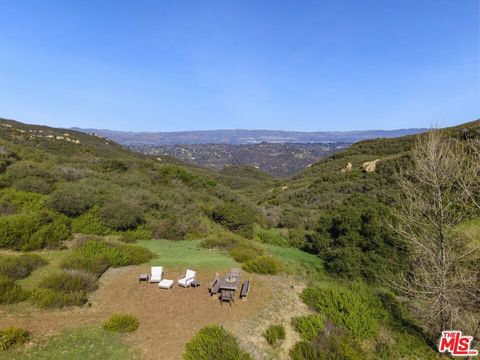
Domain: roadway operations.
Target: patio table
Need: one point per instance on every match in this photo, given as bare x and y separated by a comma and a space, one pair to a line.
229, 285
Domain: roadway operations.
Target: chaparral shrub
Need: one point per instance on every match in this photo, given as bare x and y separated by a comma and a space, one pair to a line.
19, 267
69, 282
236, 217
121, 215
122, 323
72, 199
214, 343
48, 298
91, 263
10, 292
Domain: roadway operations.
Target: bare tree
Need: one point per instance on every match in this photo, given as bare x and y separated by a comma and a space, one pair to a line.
437, 194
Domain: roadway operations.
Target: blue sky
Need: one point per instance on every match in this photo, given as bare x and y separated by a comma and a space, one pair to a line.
256, 64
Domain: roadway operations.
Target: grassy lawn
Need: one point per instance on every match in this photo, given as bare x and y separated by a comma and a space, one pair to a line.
187, 253
297, 261
79, 344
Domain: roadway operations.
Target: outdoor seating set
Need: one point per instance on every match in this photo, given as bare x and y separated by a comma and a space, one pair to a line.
157, 274
224, 287
227, 286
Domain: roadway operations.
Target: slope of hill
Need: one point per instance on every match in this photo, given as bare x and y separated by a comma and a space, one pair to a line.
91, 184
244, 136
279, 159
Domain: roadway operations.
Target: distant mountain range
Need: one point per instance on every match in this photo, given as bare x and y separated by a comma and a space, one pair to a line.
245, 136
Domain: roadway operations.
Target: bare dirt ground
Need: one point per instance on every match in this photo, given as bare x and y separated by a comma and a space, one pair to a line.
168, 318
284, 304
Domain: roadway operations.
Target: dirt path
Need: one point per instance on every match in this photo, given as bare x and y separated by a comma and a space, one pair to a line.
168, 318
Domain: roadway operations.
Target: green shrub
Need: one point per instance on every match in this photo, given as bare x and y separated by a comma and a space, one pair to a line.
33, 184
274, 333
10, 292
272, 237
236, 217
117, 254
72, 199
353, 307
121, 215
49, 299
263, 265
308, 326
16, 230
214, 343
19, 267
90, 263
13, 336
90, 223
50, 235
304, 350
122, 323
246, 250
69, 282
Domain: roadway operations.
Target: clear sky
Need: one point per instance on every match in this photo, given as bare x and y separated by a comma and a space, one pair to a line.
255, 64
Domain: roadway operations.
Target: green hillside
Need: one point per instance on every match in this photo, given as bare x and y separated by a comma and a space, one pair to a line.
73, 205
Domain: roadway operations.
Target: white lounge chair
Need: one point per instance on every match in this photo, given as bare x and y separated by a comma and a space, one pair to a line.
156, 274
187, 280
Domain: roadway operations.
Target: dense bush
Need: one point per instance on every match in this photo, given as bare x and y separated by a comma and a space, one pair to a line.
272, 237
353, 307
274, 333
263, 265
17, 229
13, 336
246, 250
19, 267
214, 343
72, 199
235, 216
354, 241
69, 282
121, 215
49, 299
50, 235
90, 223
90, 263
10, 292
117, 254
95, 256
308, 326
121, 323
32, 230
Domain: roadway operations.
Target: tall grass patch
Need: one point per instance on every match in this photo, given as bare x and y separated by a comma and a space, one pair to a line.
13, 336
274, 334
